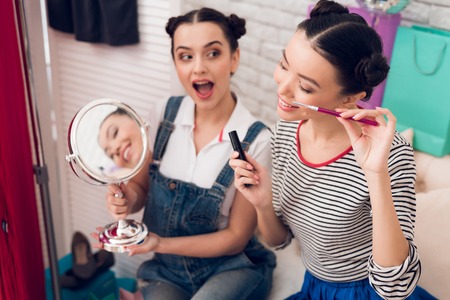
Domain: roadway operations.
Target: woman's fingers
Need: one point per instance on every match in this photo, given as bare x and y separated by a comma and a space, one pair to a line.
352, 129
235, 162
116, 202
96, 236
119, 210
391, 119
245, 176
244, 172
116, 190
358, 114
244, 182
149, 244
383, 116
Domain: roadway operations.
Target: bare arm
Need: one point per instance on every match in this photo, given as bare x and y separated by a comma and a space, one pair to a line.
371, 145
390, 247
259, 195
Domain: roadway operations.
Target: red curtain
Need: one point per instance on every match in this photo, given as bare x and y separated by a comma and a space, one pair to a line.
21, 263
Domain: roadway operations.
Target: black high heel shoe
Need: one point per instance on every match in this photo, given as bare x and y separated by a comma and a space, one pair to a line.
103, 259
83, 262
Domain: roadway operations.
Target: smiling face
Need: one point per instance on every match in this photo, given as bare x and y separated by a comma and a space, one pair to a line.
204, 62
305, 76
121, 140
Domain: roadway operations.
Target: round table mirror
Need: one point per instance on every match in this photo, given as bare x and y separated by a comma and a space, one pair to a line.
108, 144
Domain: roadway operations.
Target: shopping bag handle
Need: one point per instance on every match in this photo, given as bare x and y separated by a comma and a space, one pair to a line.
440, 59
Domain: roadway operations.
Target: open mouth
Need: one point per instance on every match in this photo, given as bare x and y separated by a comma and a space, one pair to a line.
203, 87
126, 153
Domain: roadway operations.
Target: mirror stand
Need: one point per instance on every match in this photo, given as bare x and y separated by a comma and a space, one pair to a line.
108, 144
118, 235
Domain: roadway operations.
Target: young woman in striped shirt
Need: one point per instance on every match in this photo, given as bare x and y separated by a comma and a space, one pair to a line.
343, 189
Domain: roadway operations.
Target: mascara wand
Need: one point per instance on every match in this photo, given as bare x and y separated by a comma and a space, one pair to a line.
334, 113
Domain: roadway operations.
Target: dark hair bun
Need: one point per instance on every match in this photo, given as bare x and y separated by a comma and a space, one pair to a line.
233, 27
372, 70
237, 25
326, 7
171, 25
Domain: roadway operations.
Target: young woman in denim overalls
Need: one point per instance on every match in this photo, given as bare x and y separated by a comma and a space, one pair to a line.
201, 229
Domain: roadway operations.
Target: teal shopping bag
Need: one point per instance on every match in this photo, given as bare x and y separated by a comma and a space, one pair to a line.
418, 87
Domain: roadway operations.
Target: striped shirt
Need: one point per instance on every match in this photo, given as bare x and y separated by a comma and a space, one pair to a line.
327, 209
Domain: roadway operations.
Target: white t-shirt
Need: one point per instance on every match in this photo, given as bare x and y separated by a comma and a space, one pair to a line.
180, 161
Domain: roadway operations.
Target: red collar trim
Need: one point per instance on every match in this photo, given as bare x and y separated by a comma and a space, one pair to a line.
313, 165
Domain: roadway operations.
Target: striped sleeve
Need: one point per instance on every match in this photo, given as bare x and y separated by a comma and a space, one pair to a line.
279, 141
399, 282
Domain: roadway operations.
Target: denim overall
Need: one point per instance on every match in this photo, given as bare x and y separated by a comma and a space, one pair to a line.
175, 208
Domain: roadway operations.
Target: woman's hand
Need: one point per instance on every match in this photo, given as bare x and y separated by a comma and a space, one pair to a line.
96, 235
251, 172
118, 200
149, 244
371, 144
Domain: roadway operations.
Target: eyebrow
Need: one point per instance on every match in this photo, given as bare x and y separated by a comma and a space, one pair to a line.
301, 75
206, 45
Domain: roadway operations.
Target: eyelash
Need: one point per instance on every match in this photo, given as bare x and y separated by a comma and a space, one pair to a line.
185, 56
299, 83
213, 54
302, 89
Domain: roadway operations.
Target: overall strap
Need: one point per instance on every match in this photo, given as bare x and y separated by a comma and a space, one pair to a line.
226, 175
166, 127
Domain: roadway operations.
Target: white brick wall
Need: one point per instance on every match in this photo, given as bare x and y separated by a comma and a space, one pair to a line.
270, 24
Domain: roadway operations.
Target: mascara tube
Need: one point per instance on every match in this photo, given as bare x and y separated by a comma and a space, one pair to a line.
237, 147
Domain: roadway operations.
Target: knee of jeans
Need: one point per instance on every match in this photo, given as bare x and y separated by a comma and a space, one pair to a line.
156, 289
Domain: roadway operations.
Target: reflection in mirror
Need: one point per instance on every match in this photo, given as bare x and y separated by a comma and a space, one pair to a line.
108, 144
119, 139
107, 141
87, 139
